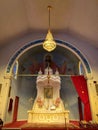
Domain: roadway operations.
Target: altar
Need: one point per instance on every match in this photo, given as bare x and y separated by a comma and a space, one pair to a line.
48, 107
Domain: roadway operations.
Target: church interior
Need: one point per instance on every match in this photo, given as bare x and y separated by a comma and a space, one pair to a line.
49, 66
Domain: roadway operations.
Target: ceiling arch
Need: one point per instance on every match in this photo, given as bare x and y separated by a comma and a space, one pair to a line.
37, 45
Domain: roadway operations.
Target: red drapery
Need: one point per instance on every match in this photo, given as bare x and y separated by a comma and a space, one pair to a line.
15, 112
81, 88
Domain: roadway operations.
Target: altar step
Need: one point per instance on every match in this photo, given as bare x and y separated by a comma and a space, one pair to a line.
47, 128
35, 126
20, 125
27, 126
10, 129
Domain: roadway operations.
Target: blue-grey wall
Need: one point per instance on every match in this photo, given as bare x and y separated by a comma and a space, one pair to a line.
25, 86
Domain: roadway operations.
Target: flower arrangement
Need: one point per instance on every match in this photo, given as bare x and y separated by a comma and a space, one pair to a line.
40, 102
57, 102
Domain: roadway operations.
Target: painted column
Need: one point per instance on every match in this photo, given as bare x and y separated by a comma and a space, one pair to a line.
92, 98
6, 89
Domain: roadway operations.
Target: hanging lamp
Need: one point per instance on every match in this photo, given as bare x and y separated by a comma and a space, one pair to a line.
49, 44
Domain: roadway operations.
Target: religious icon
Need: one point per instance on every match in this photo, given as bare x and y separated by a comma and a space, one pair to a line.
48, 93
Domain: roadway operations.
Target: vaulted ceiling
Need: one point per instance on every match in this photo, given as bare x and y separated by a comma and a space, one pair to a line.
21, 17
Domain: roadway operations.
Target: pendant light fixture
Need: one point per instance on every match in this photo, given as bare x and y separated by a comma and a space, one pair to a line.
49, 44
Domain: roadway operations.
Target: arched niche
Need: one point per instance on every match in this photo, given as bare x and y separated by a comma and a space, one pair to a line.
33, 53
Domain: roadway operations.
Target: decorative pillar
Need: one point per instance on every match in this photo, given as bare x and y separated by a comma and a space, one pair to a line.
6, 89
92, 96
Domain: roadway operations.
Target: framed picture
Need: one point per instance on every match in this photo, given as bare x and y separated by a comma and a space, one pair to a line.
48, 92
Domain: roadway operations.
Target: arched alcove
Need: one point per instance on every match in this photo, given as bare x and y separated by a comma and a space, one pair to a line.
32, 55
